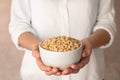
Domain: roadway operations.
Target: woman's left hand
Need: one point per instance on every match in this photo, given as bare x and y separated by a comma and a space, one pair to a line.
85, 57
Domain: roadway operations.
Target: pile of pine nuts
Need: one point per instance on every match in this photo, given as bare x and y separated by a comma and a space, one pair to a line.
60, 44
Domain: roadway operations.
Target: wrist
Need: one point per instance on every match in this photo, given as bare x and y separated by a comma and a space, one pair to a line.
98, 38
35, 47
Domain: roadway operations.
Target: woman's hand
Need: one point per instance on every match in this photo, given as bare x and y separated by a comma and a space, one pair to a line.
47, 69
97, 39
85, 57
29, 41
74, 68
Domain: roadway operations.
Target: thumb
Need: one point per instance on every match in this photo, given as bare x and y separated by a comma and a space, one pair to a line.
86, 52
36, 54
86, 49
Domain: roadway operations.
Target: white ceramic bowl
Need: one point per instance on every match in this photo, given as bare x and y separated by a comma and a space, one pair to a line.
60, 60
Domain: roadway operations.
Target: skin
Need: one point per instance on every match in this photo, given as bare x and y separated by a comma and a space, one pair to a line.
95, 40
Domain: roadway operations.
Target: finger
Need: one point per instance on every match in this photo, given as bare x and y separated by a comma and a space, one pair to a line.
58, 73
53, 71
42, 66
87, 49
67, 71
83, 62
76, 71
75, 66
36, 54
86, 52
39, 62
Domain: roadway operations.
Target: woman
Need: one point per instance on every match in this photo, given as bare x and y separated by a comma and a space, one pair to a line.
91, 21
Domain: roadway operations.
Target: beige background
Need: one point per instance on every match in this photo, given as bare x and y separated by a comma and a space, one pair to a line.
10, 57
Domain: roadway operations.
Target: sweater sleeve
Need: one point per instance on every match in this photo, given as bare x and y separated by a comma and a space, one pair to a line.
20, 20
105, 19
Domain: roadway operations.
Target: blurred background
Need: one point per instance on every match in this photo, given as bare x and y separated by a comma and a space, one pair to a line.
10, 57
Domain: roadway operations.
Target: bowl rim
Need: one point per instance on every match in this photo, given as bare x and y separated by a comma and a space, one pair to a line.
60, 51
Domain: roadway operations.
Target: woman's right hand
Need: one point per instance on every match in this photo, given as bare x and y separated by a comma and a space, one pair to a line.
29, 41
47, 69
